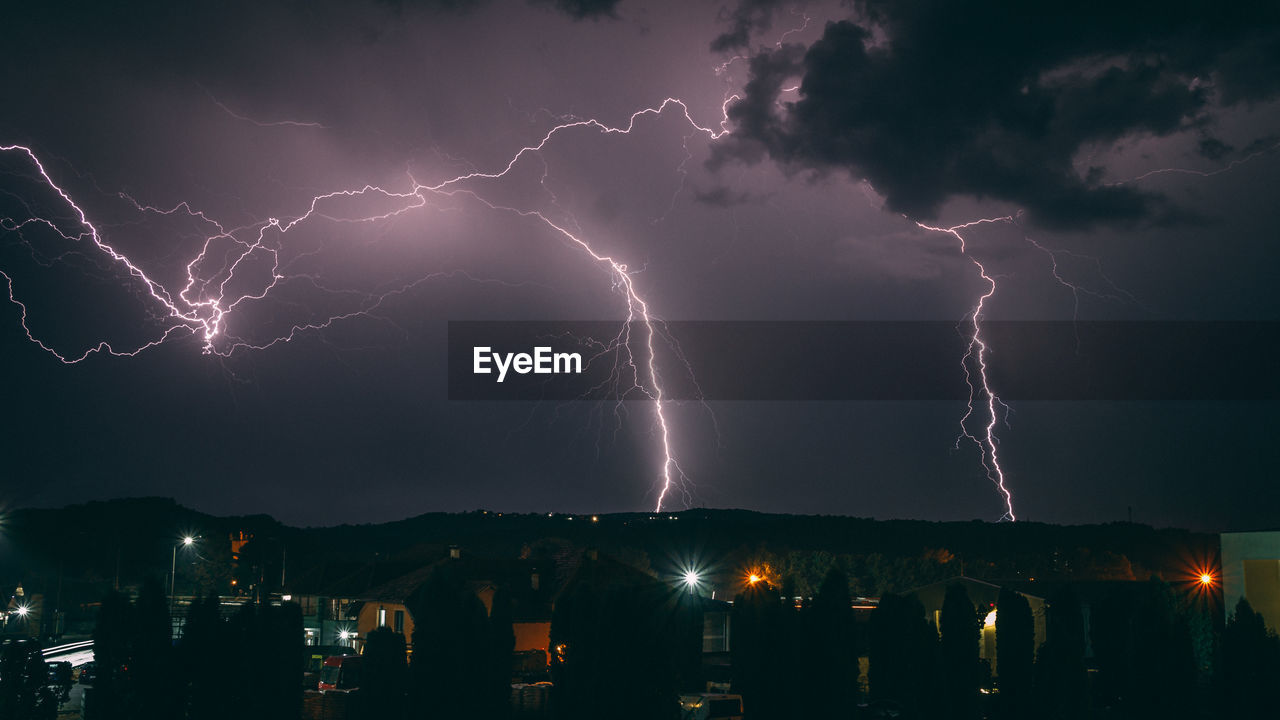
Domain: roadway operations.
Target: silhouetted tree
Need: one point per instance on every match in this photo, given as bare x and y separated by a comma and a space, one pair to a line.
266, 659
1250, 663
281, 631
24, 689
1015, 653
789, 677
615, 638
501, 642
1143, 647
112, 645
902, 646
686, 631
386, 674
1164, 669
959, 629
1061, 679
450, 640
152, 661
758, 651
829, 653
202, 657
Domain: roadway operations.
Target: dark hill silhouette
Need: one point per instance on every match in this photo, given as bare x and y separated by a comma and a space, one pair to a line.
80, 547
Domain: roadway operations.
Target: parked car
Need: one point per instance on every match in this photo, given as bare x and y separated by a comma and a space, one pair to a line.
86, 673
340, 672
313, 661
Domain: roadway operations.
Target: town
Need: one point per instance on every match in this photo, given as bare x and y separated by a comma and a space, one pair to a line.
697, 614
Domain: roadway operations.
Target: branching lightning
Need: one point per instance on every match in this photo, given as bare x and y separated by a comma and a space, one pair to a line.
980, 391
204, 302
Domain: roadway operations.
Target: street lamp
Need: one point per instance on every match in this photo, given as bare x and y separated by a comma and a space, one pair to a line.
691, 579
349, 635
187, 541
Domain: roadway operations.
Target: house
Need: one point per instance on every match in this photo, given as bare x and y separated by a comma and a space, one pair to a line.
985, 596
342, 604
1251, 570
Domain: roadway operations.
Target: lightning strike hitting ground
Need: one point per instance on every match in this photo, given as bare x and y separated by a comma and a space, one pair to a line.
202, 305
976, 354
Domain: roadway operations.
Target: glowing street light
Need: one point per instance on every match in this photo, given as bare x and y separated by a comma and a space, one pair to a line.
691, 578
22, 610
348, 635
187, 541
1206, 579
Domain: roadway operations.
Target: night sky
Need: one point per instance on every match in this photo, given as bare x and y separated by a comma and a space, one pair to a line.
1133, 150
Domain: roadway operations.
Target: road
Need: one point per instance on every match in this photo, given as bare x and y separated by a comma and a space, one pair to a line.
76, 653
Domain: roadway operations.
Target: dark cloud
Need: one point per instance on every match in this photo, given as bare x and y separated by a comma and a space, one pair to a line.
1266, 142
748, 18
995, 99
584, 9
1214, 149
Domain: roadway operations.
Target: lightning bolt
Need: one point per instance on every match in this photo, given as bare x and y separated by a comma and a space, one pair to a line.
981, 393
201, 307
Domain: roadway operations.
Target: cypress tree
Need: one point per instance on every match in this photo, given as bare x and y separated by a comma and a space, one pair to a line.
1250, 662
901, 649
831, 655
201, 656
1061, 683
757, 650
385, 675
152, 657
497, 668
615, 641
1015, 653
959, 633
112, 645
450, 633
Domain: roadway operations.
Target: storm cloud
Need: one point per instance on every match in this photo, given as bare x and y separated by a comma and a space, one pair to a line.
1000, 100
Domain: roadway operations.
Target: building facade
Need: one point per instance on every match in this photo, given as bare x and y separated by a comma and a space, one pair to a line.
1251, 570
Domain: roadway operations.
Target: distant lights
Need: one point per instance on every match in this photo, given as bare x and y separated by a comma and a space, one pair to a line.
1203, 577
